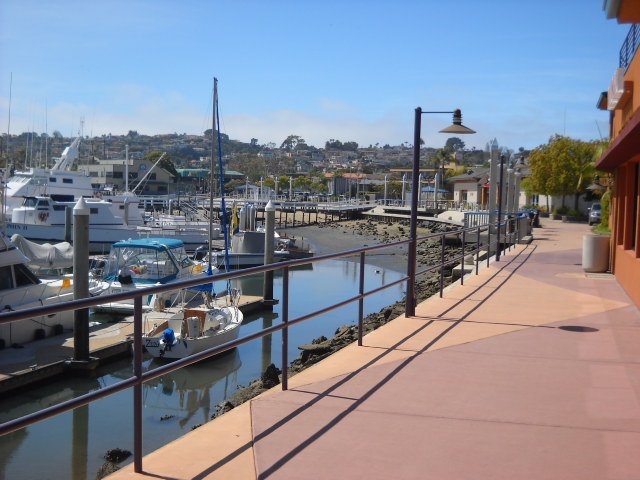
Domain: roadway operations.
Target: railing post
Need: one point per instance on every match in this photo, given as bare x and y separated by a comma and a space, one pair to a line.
488, 243
441, 264
478, 251
137, 388
361, 301
285, 330
462, 262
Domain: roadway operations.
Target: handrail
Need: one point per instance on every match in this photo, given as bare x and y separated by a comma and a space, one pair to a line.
511, 226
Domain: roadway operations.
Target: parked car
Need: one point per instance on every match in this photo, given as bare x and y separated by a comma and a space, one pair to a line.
595, 212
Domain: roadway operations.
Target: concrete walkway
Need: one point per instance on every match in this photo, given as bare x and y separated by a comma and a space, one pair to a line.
529, 370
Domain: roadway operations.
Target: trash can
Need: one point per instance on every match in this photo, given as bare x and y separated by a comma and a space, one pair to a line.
595, 253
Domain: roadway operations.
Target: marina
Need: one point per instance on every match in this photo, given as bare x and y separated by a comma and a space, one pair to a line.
187, 396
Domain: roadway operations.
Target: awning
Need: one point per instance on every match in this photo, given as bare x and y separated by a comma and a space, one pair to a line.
624, 147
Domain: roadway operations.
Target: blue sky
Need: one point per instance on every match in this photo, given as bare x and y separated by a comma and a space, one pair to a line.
342, 69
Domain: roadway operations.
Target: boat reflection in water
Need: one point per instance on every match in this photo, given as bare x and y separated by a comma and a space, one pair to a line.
179, 396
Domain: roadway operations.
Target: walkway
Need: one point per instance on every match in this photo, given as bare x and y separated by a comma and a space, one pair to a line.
529, 370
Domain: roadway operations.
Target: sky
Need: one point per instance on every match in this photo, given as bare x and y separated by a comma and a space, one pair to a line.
350, 70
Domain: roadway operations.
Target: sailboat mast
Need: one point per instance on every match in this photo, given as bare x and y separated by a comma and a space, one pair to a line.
211, 164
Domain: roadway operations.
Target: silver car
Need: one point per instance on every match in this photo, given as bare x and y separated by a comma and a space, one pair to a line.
595, 213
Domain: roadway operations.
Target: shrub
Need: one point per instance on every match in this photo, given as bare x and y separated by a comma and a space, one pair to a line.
605, 203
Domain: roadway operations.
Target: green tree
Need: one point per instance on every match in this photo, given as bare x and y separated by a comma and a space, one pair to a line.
291, 142
302, 183
563, 166
166, 162
453, 144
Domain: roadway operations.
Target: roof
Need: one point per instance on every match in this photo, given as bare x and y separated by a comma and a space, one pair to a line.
476, 175
151, 243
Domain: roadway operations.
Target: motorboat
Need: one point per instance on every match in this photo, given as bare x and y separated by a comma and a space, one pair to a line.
58, 182
45, 219
20, 289
139, 263
192, 330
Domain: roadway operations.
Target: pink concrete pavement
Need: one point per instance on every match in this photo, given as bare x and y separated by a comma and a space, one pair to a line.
529, 370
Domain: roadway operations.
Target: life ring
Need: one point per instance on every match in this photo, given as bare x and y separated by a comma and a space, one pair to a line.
43, 216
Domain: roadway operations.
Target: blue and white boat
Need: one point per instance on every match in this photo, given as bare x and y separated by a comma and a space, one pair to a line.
143, 262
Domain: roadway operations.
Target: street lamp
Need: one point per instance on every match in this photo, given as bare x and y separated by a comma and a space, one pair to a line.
455, 128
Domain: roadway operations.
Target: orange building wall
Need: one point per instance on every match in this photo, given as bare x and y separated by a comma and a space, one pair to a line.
626, 261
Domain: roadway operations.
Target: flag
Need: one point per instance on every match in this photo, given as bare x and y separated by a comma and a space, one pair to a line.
235, 220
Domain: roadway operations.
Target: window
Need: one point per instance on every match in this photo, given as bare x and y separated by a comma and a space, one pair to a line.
93, 211
117, 175
67, 180
6, 279
52, 180
24, 276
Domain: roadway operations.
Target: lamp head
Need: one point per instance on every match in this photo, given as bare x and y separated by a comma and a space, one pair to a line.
456, 127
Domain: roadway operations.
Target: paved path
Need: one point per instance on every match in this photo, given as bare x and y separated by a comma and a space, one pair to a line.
529, 370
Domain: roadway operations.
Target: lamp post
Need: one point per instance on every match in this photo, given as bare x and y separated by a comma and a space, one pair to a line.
455, 128
385, 189
404, 182
499, 209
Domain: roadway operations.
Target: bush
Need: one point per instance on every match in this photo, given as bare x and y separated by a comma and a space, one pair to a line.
605, 203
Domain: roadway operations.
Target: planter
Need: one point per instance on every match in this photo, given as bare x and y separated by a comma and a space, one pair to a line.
595, 253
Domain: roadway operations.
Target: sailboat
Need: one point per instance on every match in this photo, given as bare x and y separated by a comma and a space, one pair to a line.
192, 330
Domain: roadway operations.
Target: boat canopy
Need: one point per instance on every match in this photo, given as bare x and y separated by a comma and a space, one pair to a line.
151, 243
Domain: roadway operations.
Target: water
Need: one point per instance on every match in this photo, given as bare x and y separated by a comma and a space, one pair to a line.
72, 445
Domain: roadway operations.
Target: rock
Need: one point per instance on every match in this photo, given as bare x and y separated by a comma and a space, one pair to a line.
270, 377
106, 469
117, 455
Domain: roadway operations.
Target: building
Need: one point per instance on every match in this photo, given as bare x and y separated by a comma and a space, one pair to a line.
622, 157
111, 174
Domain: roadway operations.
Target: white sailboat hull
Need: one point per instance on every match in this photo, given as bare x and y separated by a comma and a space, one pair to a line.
186, 344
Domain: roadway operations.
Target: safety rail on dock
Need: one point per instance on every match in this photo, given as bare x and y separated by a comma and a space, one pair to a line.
499, 236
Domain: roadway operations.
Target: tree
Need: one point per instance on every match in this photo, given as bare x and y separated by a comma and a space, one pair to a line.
291, 142
453, 144
563, 166
165, 163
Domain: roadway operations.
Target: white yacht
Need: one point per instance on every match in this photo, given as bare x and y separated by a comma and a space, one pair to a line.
57, 182
44, 219
21, 289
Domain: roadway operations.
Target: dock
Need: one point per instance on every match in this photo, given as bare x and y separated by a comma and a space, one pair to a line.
45, 359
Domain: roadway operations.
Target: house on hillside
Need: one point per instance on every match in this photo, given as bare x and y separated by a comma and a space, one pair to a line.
622, 158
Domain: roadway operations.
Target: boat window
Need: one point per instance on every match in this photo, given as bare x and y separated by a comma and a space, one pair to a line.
53, 179
58, 208
67, 180
6, 280
29, 202
24, 276
43, 203
94, 211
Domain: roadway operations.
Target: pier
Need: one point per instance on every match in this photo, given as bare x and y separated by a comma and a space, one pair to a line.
107, 342
478, 384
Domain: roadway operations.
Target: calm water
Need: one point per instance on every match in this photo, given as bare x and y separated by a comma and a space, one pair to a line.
72, 445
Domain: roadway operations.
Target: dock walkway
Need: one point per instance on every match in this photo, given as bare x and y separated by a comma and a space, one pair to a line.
44, 359
531, 369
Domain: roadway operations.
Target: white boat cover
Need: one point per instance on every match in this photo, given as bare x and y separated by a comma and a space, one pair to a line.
59, 255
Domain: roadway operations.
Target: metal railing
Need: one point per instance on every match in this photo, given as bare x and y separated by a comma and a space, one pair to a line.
495, 244
629, 46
